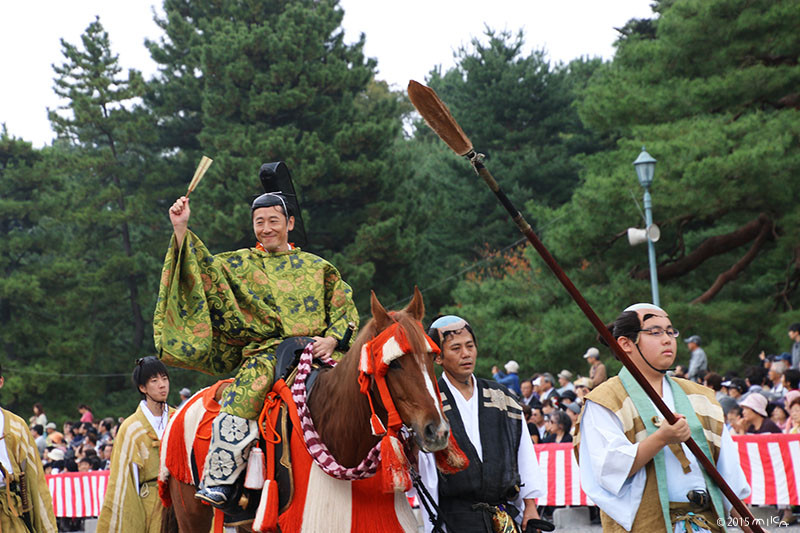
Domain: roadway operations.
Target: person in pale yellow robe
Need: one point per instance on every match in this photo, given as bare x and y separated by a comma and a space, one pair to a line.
19, 454
131, 502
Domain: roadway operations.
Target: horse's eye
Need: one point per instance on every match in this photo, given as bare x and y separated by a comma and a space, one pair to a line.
395, 365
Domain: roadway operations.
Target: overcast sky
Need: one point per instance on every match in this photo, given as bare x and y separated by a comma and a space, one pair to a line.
407, 38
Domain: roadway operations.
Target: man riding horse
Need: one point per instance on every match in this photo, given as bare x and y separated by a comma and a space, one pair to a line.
218, 310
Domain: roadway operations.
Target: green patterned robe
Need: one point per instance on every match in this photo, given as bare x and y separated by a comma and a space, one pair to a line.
217, 312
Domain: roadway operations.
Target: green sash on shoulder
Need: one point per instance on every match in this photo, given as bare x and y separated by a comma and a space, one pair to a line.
647, 412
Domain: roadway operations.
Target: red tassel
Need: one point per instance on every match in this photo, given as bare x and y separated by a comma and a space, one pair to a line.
266, 520
395, 466
376, 425
163, 493
452, 459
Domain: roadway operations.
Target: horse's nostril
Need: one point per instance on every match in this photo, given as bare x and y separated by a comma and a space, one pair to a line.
436, 432
430, 432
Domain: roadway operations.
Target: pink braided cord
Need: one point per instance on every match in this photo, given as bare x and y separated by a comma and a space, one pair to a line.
318, 450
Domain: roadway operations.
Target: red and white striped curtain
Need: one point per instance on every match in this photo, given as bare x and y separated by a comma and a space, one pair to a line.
78, 494
771, 464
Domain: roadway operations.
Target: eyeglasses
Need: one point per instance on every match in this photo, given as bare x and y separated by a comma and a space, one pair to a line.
657, 331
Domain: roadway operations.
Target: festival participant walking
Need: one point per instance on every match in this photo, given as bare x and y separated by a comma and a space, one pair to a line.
131, 502
19, 455
633, 464
234, 309
488, 426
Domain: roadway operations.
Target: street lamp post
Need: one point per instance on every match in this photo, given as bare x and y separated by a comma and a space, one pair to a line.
645, 167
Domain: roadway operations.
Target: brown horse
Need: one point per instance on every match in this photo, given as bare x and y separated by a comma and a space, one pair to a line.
341, 415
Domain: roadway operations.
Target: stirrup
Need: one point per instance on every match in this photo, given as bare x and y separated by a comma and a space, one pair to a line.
216, 496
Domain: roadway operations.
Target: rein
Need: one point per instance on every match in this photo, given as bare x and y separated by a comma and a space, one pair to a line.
316, 448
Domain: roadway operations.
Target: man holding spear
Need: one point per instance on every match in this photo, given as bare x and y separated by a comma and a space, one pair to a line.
633, 463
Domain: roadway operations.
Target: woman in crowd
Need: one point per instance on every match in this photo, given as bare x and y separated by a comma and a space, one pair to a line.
558, 424
38, 414
793, 424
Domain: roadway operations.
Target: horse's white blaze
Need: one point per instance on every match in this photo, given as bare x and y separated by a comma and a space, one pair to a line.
432, 392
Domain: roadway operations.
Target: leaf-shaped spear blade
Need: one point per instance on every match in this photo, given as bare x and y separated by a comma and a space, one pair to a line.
438, 117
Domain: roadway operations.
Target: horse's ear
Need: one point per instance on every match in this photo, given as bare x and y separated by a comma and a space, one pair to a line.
416, 307
382, 318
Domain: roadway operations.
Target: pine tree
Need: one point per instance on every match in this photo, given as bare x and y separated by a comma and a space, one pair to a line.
103, 140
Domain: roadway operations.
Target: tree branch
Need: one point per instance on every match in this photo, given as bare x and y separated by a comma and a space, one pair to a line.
741, 264
709, 248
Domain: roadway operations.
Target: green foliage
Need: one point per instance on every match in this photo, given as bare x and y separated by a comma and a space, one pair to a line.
714, 100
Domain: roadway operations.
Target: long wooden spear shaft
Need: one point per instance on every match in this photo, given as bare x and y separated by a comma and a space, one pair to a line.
439, 118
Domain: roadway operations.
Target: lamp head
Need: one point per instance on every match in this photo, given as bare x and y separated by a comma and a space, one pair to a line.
645, 167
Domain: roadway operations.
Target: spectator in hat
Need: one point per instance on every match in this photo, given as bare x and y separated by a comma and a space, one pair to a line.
794, 334
737, 387
573, 411
55, 458
597, 372
754, 413
51, 434
582, 387
699, 360
510, 379
184, 393
565, 380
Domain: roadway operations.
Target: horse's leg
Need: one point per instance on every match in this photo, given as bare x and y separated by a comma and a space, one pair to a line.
169, 523
192, 515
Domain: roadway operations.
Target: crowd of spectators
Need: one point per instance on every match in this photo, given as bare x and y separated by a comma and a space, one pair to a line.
80, 446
